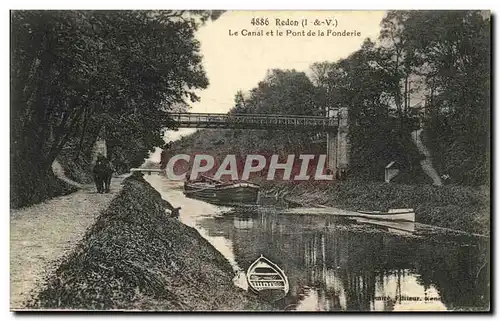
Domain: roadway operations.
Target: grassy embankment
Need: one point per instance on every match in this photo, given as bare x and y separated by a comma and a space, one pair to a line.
136, 257
457, 207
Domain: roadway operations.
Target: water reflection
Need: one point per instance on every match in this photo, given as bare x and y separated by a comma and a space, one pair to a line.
332, 266
242, 223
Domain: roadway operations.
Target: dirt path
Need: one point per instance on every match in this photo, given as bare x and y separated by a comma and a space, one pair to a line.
42, 234
59, 172
427, 162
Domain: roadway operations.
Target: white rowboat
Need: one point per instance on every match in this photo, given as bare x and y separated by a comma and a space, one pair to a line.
397, 215
400, 214
263, 276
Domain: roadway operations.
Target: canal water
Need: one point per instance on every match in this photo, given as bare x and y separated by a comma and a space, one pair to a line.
337, 265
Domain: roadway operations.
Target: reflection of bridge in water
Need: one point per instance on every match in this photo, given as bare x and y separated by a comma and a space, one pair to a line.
335, 126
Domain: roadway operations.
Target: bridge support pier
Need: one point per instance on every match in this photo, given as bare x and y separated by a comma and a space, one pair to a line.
337, 145
331, 151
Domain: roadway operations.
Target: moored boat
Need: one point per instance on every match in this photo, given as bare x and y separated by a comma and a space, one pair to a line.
396, 215
211, 189
200, 189
238, 192
266, 278
400, 214
404, 226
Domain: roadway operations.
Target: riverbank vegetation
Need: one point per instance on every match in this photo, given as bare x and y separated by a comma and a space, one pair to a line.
462, 208
77, 76
136, 257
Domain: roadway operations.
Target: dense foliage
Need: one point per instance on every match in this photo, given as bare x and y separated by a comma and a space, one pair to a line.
78, 75
429, 65
454, 61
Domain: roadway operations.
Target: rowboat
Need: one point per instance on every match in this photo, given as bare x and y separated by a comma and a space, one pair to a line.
392, 226
399, 214
226, 192
266, 278
396, 215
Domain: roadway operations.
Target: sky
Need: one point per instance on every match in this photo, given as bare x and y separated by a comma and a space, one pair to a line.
239, 62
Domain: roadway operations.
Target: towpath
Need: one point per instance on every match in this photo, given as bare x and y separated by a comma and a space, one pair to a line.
427, 162
40, 235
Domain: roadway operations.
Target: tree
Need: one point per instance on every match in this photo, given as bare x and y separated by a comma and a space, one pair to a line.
454, 52
321, 73
449, 52
239, 103
283, 92
74, 73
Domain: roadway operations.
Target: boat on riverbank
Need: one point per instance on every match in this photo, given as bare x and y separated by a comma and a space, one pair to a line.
400, 214
396, 215
265, 278
208, 188
392, 226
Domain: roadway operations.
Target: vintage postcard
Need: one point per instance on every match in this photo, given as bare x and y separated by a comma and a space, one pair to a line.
201, 160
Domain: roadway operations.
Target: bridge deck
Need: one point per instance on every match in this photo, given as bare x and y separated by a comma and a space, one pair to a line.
255, 121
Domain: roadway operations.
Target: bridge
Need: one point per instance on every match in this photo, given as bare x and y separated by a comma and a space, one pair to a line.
335, 125
256, 121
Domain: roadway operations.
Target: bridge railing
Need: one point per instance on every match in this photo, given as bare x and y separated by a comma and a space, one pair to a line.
209, 120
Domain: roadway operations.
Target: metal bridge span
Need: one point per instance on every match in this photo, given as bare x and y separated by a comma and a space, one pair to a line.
256, 121
335, 125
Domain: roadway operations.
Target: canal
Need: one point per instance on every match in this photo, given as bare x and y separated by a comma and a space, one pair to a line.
338, 265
